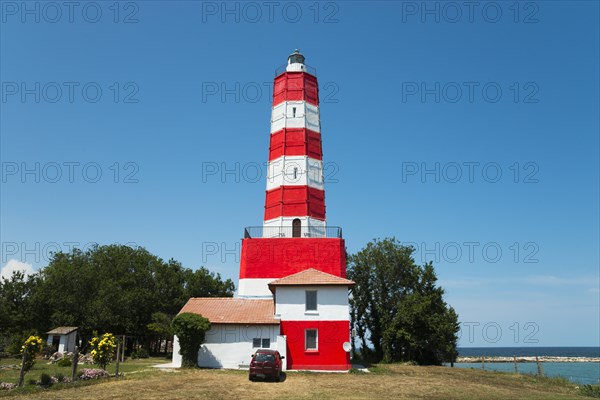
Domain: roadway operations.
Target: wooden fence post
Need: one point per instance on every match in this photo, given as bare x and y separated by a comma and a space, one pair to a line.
123, 351
540, 368
118, 358
482, 362
515, 362
22, 373
75, 362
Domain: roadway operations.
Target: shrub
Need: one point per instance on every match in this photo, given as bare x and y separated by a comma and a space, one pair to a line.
140, 353
103, 349
46, 380
32, 346
64, 362
190, 330
590, 390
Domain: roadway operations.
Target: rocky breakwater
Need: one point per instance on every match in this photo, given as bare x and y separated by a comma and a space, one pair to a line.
523, 359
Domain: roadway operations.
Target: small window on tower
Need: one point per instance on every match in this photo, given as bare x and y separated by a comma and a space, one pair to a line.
293, 112
295, 173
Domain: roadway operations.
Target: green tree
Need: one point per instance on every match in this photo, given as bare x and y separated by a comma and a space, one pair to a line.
161, 325
397, 307
118, 288
21, 313
203, 283
191, 331
110, 288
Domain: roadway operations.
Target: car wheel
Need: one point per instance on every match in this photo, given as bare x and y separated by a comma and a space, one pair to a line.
251, 378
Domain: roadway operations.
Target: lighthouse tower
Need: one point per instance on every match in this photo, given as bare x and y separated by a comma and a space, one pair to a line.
294, 232
295, 199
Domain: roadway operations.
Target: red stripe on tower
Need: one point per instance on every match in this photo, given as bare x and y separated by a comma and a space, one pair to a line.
295, 142
295, 201
295, 84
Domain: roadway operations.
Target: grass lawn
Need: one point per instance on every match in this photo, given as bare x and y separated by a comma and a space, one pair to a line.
42, 366
386, 381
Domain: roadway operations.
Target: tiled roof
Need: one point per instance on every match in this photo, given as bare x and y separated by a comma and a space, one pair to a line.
62, 330
229, 310
311, 276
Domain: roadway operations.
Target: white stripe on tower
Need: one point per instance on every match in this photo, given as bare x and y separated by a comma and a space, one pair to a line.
295, 114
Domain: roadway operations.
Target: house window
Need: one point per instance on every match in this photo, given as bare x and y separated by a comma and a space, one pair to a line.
311, 300
261, 343
311, 339
293, 112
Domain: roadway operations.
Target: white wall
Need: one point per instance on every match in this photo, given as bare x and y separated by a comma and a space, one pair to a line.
255, 287
70, 341
295, 67
230, 345
282, 348
177, 359
332, 303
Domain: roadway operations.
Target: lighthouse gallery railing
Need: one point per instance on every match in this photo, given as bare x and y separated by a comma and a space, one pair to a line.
287, 232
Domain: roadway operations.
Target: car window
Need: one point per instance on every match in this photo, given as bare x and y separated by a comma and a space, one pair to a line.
262, 357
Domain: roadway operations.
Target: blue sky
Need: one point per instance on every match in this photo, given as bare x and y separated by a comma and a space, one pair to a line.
470, 133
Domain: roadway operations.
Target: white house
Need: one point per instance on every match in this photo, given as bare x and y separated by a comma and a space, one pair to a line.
238, 328
63, 338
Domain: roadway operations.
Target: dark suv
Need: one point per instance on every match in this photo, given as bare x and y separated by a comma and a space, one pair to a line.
266, 364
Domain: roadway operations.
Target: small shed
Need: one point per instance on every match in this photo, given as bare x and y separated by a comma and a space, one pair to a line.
63, 338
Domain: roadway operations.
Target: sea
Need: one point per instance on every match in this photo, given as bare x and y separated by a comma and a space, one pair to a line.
578, 372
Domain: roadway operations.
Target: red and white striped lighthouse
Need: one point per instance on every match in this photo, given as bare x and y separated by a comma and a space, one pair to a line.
295, 199
294, 258
293, 292
294, 235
